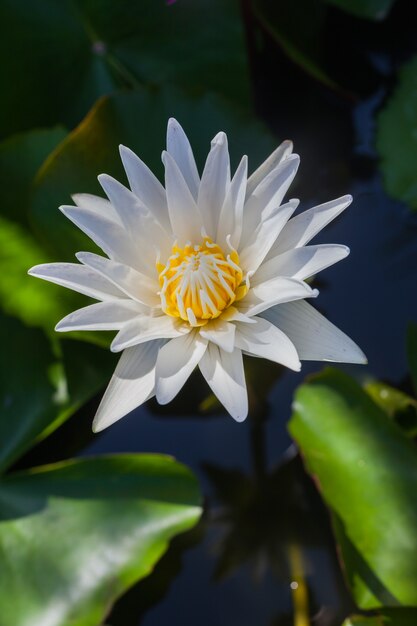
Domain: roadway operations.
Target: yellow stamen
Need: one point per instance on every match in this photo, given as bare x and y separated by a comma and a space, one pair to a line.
198, 282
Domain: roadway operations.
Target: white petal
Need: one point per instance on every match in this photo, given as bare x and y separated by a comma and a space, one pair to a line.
275, 291
300, 263
176, 361
214, 184
147, 328
265, 340
274, 159
303, 227
145, 186
79, 278
131, 384
153, 243
315, 338
225, 375
128, 280
127, 205
100, 206
231, 314
221, 333
179, 148
231, 214
260, 242
101, 316
144, 230
111, 237
268, 195
183, 212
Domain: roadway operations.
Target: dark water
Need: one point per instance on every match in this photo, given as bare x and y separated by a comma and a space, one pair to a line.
233, 569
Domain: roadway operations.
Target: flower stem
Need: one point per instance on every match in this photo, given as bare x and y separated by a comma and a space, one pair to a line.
299, 589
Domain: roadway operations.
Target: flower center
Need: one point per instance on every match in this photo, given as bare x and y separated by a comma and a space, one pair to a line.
199, 282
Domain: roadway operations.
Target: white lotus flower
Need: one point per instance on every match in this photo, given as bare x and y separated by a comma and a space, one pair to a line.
200, 273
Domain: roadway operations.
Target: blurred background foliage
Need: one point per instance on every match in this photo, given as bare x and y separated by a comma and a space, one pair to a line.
79, 77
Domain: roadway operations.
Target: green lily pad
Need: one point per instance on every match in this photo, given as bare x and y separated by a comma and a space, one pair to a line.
300, 39
45, 56
368, 9
56, 60
38, 391
399, 617
361, 620
398, 405
20, 158
138, 120
396, 139
389, 617
76, 535
33, 302
83, 372
366, 469
389, 398
26, 391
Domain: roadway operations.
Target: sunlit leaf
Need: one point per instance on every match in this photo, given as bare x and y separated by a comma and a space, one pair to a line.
138, 120
154, 590
33, 301
74, 536
397, 404
388, 398
366, 469
368, 9
397, 137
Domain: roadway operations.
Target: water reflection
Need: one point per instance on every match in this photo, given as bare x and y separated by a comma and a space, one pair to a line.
263, 530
